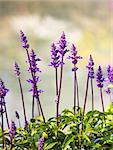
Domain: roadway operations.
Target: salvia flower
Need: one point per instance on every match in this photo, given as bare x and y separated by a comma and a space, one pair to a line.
74, 57
90, 67
16, 69
34, 69
99, 77
24, 40
55, 62
110, 74
33, 61
12, 131
40, 144
3, 89
17, 115
62, 47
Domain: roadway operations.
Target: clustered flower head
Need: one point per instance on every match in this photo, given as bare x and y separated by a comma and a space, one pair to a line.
24, 40
55, 57
110, 74
33, 61
99, 77
40, 144
17, 115
34, 69
3, 89
90, 68
12, 131
16, 69
58, 51
74, 57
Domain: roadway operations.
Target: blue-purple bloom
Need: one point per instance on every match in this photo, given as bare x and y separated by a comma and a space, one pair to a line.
55, 62
90, 68
110, 74
3, 89
16, 69
40, 144
17, 115
24, 40
34, 69
62, 47
12, 131
74, 57
99, 77
33, 61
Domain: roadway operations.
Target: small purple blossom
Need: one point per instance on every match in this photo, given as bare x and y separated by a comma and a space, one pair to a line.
17, 115
24, 40
62, 47
108, 91
16, 69
12, 131
55, 62
40, 144
74, 57
34, 69
90, 68
99, 77
33, 61
110, 74
3, 89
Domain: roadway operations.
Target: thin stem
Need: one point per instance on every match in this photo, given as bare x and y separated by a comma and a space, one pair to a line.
6, 116
2, 120
57, 105
102, 99
38, 108
75, 92
33, 100
35, 86
78, 103
85, 97
22, 96
92, 94
59, 92
41, 108
11, 140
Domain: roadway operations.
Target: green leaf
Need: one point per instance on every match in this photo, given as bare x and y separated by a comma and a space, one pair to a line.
49, 146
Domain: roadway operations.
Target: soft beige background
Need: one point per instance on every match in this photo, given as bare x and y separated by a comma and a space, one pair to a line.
87, 23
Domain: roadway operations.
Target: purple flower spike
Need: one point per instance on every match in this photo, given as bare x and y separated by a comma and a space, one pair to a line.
3, 89
12, 131
16, 69
110, 74
40, 144
62, 47
33, 60
24, 40
99, 77
74, 57
90, 68
55, 62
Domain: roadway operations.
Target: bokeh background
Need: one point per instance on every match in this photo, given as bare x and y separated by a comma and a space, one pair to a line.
87, 23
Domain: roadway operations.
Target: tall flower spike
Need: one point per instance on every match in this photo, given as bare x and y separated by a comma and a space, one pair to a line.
12, 131
55, 62
3, 89
16, 69
110, 74
33, 60
40, 144
99, 77
24, 40
90, 67
62, 47
74, 57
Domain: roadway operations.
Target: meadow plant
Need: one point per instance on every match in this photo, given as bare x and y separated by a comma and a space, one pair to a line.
73, 129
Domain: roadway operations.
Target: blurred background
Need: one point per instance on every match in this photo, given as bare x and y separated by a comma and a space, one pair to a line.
86, 23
